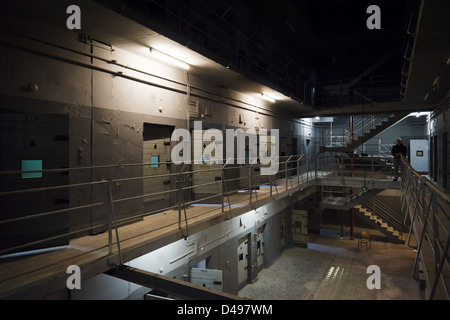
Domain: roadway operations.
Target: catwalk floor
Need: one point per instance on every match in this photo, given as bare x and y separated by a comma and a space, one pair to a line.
331, 268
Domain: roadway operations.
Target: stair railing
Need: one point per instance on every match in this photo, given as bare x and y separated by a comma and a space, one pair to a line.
429, 209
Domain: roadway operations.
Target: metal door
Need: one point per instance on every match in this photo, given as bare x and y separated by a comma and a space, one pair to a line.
300, 227
260, 247
156, 156
243, 261
33, 142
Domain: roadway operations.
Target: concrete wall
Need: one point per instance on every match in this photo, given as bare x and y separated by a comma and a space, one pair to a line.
217, 244
49, 71
440, 144
107, 98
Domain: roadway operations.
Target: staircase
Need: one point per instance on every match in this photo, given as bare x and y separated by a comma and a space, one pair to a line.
346, 203
381, 224
365, 128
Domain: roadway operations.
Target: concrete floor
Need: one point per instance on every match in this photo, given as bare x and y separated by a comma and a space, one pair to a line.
332, 268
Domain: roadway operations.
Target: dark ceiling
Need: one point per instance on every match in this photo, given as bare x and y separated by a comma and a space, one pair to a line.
324, 44
331, 35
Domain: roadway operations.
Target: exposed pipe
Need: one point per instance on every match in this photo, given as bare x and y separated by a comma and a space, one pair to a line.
121, 74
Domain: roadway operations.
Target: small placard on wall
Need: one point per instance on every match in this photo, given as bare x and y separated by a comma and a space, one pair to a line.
31, 165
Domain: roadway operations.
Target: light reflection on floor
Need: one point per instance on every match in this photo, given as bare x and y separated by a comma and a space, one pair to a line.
331, 268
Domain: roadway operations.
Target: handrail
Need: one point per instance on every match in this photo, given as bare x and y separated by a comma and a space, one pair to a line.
433, 203
429, 209
112, 197
385, 213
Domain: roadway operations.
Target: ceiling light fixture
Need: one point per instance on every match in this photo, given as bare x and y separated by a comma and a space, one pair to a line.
436, 82
169, 59
268, 98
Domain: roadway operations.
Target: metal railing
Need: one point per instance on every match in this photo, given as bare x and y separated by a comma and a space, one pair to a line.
114, 206
342, 165
386, 213
359, 128
428, 207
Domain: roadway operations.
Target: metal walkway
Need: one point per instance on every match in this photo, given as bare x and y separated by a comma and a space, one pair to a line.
296, 180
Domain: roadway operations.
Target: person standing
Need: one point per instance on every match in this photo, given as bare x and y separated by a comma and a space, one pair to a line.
397, 151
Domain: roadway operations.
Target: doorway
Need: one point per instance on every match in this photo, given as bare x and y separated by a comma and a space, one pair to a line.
243, 260
34, 142
157, 167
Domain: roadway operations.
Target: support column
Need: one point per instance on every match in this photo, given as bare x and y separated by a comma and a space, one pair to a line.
352, 217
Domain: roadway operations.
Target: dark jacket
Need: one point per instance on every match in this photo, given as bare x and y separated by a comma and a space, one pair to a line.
399, 149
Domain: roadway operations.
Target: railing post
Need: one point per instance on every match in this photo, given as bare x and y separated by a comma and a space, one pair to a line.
110, 214
250, 181
270, 184
111, 220
419, 247
439, 271
298, 170
224, 187
372, 170
307, 168
315, 166
181, 199
286, 169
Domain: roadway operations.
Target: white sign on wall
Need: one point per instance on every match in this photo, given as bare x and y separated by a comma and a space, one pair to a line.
419, 155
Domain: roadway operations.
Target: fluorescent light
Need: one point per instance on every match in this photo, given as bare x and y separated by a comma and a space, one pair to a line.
436, 82
419, 114
266, 97
169, 59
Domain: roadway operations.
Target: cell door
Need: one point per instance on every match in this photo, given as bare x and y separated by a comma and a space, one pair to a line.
34, 142
260, 247
157, 167
207, 176
243, 261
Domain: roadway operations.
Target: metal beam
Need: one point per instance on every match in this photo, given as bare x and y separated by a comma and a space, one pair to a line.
178, 288
358, 182
368, 108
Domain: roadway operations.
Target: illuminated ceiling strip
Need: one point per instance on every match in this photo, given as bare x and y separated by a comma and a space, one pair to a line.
169, 59
266, 97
